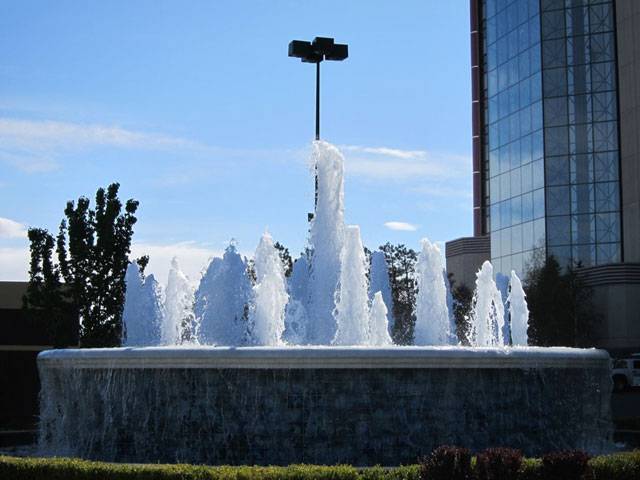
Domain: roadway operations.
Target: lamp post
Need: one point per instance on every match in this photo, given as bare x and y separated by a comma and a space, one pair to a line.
322, 48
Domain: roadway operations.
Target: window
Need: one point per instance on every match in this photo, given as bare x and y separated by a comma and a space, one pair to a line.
606, 166
603, 77
558, 200
556, 141
605, 136
607, 227
602, 47
600, 18
607, 253
582, 198
583, 228
553, 53
555, 111
555, 82
557, 170
553, 24
559, 230
604, 107
607, 197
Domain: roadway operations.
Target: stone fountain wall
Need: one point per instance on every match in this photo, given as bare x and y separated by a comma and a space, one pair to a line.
319, 405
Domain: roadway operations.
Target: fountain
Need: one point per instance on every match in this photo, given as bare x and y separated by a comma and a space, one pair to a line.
379, 282
266, 319
304, 370
179, 318
432, 311
143, 311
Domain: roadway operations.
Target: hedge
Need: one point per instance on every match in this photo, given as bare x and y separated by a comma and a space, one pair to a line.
620, 466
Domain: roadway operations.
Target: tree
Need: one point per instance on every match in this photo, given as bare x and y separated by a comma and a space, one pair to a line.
561, 310
462, 303
92, 249
45, 294
285, 256
401, 261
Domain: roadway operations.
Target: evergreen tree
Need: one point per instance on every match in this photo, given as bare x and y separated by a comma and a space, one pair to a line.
93, 249
401, 261
561, 310
45, 295
285, 256
462, 302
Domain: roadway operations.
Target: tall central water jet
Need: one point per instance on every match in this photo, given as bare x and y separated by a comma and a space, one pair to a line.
326, 241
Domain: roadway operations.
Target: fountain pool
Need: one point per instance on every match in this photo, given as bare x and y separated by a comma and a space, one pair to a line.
324, 405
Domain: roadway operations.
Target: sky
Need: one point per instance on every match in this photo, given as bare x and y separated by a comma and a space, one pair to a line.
198, 112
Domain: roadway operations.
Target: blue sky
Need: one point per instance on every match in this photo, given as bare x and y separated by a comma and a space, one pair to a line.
195, 108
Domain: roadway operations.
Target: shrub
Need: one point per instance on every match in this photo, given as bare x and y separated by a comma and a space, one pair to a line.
498, 464
565, 465
446, 463
403, 472
620, 466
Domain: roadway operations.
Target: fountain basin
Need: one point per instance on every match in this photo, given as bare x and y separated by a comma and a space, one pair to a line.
323, 405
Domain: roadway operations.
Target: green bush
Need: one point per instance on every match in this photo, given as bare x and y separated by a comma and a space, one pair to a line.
621, 466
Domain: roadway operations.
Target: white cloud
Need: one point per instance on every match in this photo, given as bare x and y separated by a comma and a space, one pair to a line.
386, 151
33, 145
385, 164
401, 226
11, 229
30, 133
14, 264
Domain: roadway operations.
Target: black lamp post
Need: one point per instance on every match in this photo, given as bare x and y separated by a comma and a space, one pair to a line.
321, 48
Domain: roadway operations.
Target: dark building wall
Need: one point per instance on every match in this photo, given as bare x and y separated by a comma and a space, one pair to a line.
23, 334
628, 39
479, 216
616, 292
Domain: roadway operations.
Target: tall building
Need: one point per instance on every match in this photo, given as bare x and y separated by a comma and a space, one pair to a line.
556, 146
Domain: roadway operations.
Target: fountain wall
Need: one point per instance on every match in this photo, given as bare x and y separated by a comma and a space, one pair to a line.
361, 406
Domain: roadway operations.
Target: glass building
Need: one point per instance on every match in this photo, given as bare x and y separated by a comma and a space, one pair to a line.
546, 136
556, 149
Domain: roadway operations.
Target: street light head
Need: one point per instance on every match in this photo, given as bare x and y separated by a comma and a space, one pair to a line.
322, 48
339, 52
322, 45
299, 49
313, 57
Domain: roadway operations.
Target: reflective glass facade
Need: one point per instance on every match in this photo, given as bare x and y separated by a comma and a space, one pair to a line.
550, 154
513, 138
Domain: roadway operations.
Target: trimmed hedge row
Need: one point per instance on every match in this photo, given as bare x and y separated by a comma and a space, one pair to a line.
621, 466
